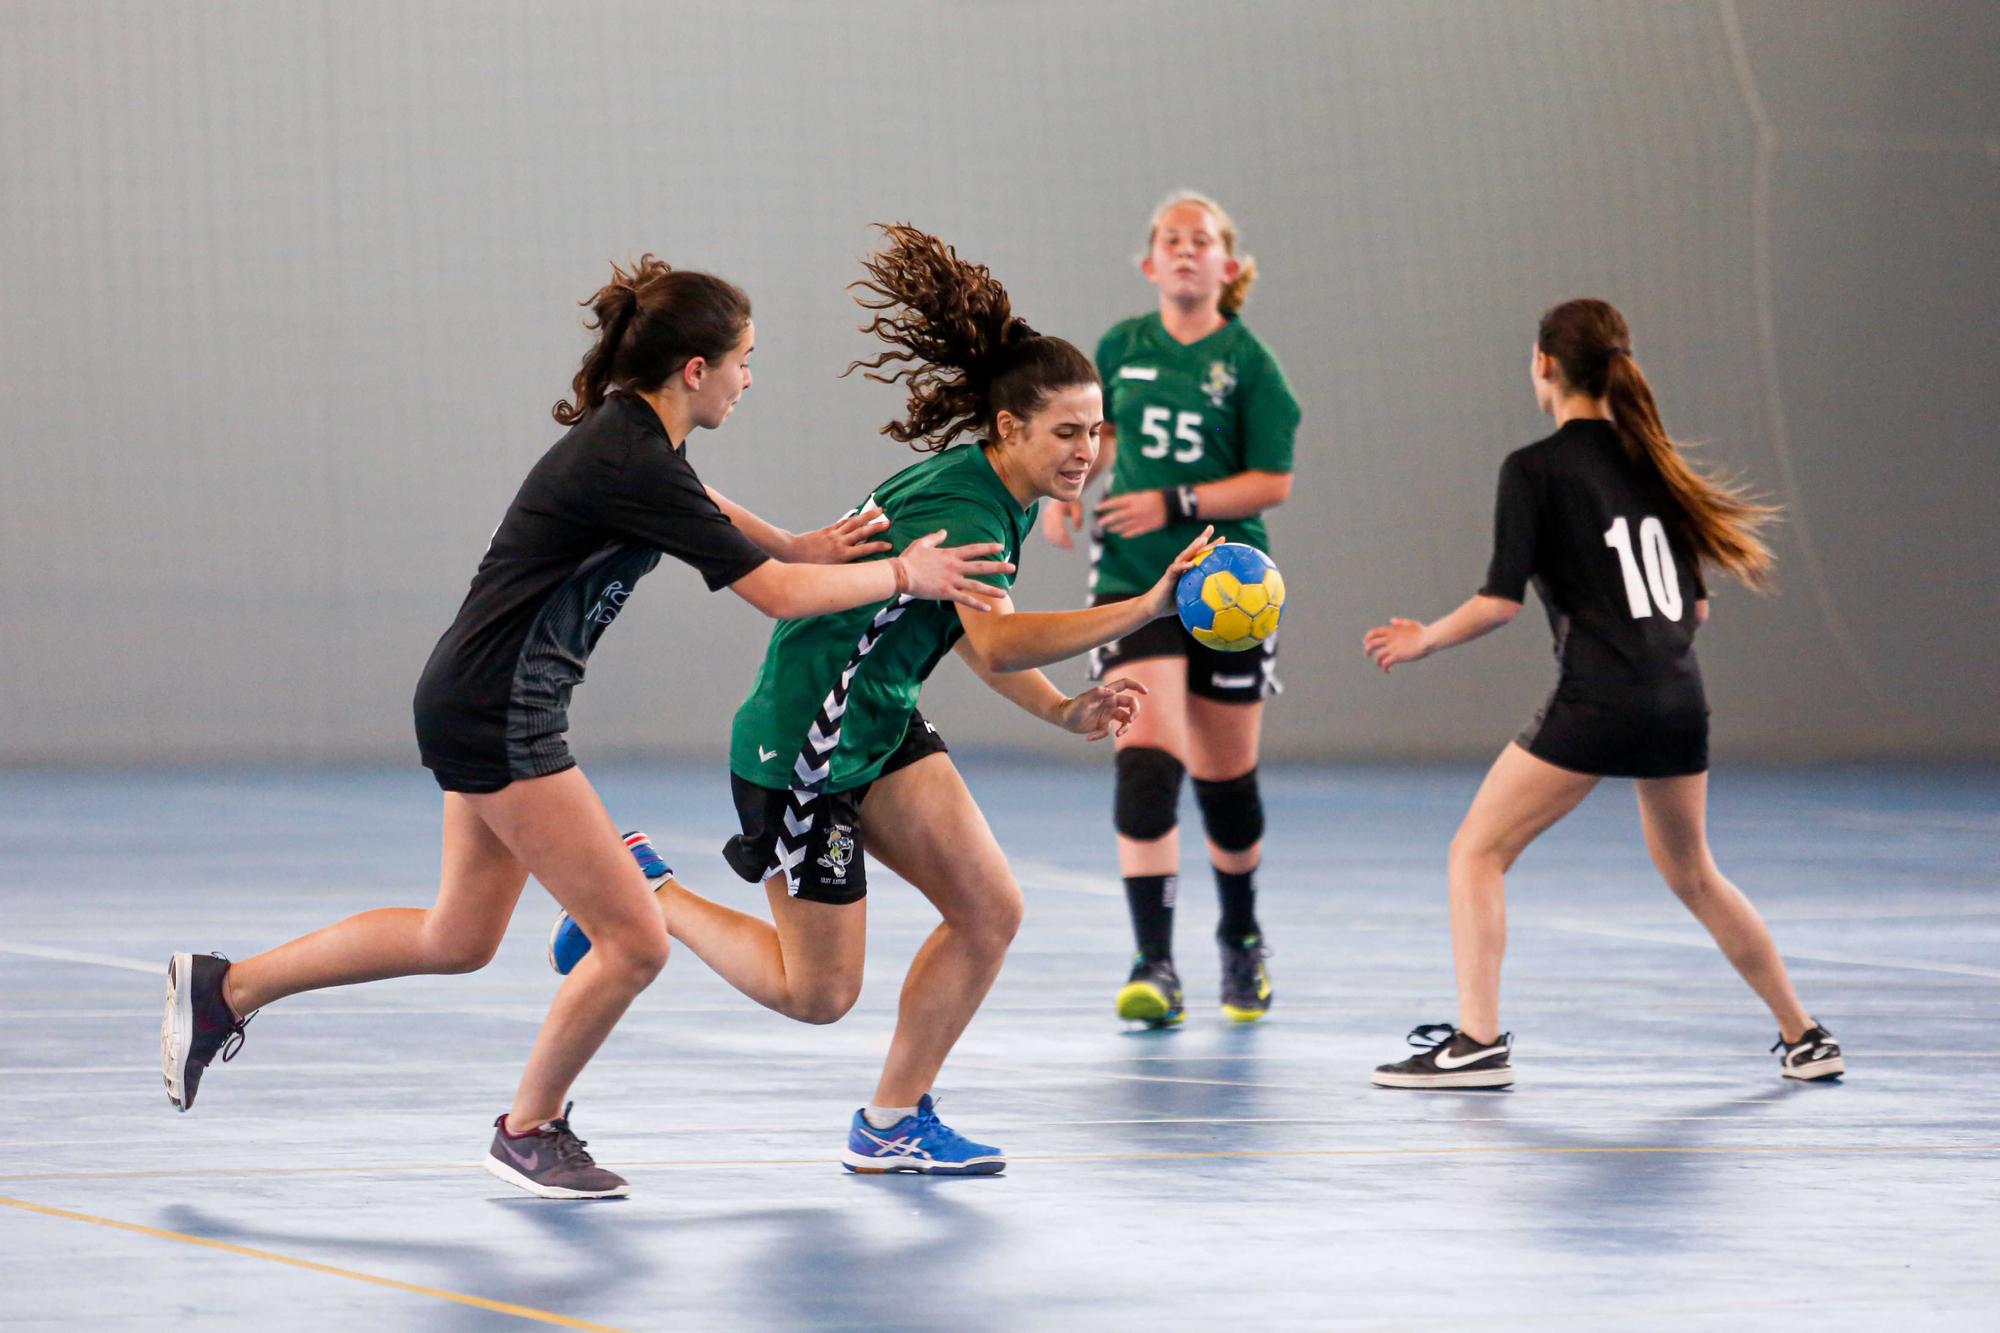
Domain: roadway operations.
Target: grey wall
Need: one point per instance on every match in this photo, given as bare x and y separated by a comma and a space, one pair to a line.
286, 291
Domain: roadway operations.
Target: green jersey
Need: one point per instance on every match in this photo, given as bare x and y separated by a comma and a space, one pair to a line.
835, 693
1186, 414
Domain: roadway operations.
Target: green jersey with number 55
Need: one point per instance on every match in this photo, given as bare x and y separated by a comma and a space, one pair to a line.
1187, 414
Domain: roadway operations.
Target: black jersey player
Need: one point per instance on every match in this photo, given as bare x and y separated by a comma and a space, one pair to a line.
1613, 528
594, 515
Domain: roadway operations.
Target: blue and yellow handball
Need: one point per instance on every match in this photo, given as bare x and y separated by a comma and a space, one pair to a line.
1232, 597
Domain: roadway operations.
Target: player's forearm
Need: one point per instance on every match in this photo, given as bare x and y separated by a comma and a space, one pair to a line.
1027, 639
1244, 495
794, 592
1479, 615
769, 538
1029, 690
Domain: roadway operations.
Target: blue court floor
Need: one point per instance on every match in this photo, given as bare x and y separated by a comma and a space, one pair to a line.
1649, 1170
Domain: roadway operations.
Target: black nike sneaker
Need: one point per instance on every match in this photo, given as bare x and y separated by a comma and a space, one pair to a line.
1814, 1055
1450, 1059
1246, 983
551, 1161
1152, 994
198, 1023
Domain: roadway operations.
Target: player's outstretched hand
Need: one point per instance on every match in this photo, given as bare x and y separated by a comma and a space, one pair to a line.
1395, 643
837, 543
1162, 594
1059, 519
951, 573
1103, 710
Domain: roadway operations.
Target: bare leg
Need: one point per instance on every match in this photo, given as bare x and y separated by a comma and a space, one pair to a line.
559, 828
478, 884
807, 966
1674, 813
553, 826
1520, 798
922, 823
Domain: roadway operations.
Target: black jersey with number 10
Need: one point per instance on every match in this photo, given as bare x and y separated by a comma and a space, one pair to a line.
1607, 549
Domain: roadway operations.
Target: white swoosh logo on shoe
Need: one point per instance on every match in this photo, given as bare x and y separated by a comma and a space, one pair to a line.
1445, 1060
525, 1162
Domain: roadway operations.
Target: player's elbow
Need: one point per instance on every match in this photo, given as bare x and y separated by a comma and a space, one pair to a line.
1278, 489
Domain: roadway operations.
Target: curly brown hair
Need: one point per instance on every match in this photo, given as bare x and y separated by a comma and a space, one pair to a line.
955, 341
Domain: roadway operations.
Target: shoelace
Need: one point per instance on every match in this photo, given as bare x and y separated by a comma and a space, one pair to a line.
930, 1129
568, 1147
233, 1043
1424, 1036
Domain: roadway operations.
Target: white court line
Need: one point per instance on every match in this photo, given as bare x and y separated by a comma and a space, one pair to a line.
157, 969
1814, 955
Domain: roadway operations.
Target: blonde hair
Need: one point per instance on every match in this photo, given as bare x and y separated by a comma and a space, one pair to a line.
1237, 293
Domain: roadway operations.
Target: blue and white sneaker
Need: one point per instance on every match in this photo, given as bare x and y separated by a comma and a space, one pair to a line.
919, 1142
567, 942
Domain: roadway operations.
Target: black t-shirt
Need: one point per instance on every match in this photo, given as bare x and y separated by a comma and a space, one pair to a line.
592, 518
1607, 549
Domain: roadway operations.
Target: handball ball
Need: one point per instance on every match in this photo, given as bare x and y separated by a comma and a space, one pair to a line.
1232, 597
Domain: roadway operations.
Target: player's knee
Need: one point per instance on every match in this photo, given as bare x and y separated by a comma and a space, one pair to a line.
1232, 810
1147, 805
993, 924
462, 955
1474, 850
826, 1003
639, 950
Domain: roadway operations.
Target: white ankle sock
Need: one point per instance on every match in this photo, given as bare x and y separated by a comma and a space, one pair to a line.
886, 1117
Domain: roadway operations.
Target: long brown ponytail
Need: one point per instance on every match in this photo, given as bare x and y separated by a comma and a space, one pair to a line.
650, 322
968, 356
1589, 340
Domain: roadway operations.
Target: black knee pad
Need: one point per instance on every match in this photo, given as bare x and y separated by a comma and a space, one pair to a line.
1149, 793
1232, 810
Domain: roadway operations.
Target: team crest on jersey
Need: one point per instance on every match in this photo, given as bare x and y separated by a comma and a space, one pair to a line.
839, 850
1221, 379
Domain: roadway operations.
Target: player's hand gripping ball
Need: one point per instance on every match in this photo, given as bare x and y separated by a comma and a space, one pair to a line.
1232, 597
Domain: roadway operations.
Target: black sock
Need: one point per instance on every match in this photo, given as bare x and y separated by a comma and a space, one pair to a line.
1239, 906
1151, 898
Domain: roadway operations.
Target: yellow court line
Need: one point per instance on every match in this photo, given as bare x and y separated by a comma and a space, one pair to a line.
1487, 1150
457, 1297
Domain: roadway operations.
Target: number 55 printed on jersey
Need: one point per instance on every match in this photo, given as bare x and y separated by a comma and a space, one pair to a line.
1660, 577
1187, 429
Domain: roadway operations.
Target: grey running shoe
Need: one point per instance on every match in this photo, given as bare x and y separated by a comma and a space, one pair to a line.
1814, 1055
197, 1024
551, 1162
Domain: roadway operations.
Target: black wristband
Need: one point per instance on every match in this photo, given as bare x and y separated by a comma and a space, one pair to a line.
1183, 505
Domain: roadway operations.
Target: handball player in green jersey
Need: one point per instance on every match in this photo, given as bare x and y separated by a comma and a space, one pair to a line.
1198, 430
829, 756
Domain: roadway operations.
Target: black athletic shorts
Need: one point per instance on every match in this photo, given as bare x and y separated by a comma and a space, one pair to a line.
1228, 678
829, 867
1611, 741
469, 753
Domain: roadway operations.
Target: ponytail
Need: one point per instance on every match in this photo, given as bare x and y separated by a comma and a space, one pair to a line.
966, 356
1237, 293
1589, 341
651, 322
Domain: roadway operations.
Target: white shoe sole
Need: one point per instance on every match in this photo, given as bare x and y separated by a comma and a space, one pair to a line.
515, 1178
882, 1166
177, 1027
1470, 1078
1818, 1070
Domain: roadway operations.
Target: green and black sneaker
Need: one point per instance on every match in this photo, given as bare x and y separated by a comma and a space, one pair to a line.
1246, 983
1152, 995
